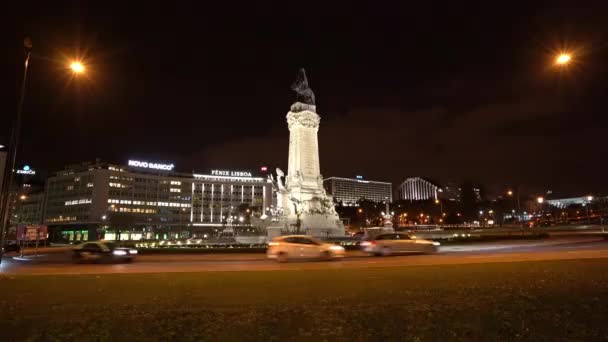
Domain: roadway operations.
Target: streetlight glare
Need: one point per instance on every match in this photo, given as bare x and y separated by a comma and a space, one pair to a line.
540, 200
563, 59
77, 67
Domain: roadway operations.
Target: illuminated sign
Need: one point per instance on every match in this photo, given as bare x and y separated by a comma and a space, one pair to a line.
359, 177
230, 173
147, 165
264, 168
26, 170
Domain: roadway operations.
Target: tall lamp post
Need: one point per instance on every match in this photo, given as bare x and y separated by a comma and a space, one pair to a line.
12, 153
589, 199
510, 193
9, 169
438, 201
540, 200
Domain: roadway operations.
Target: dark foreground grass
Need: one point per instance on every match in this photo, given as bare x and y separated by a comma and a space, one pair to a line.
535, 301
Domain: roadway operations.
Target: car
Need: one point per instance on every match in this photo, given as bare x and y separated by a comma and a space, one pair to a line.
387, 244
102, 251
12, 246
289, 247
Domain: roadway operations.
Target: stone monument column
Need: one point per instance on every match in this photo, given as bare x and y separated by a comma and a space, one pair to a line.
306, 208
303, 164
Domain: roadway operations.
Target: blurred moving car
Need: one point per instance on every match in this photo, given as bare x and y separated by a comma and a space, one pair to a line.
12, 246
102, 251
387, 244
288, 247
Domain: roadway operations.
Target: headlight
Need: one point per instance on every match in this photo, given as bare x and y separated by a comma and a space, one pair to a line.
119, 252
132, 251
435, 243
336, 248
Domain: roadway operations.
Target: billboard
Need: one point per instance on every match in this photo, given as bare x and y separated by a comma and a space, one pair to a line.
31, 233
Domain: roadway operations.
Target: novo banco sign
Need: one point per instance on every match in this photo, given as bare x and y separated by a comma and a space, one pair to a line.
148, 165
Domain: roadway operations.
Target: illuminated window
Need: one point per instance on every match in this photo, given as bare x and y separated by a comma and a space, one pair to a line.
70, 188
89, 185
176, 183
78, 201
175, 190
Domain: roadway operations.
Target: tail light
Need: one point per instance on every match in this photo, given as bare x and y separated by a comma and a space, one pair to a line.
368, 243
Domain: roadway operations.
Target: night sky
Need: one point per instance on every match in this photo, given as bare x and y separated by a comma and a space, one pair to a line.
465, 91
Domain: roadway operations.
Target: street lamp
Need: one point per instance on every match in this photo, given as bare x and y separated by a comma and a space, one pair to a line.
540, 200
11, 159
589, 199
12, 154
563, 59
438, 201
77, 67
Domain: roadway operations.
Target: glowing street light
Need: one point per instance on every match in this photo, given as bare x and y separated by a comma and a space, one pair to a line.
77, 67
563, 59
589, 199
510, 192
540, 200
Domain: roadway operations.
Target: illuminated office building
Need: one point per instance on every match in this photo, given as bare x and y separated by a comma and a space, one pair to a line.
144, 200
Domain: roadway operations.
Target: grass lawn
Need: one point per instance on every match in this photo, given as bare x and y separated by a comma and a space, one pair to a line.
535, 301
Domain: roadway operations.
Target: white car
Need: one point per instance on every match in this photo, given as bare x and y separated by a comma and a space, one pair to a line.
387, 244
288, 247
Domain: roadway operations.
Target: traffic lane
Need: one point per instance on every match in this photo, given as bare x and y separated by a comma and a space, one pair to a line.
65, 257
593, 250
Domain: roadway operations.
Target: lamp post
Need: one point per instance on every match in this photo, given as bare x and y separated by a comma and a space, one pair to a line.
510, 193
563, 59
12, 155
540, 200
589, 199
438, 201
5, 198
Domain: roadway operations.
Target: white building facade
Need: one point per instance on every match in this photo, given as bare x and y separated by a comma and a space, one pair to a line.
350, 191
147, 201
417, 189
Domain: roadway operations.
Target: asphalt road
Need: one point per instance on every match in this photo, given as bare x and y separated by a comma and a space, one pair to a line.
560, 248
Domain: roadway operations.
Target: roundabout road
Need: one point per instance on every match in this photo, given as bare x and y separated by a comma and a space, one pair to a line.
504, 251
